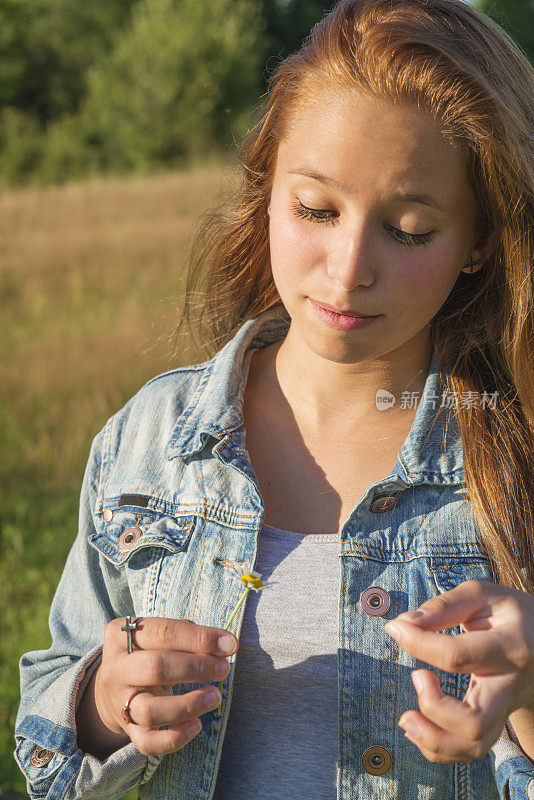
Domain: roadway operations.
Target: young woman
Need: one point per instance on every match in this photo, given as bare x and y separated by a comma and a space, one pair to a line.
362, 437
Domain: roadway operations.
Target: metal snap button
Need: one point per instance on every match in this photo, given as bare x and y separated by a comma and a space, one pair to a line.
128, 538
383, 504
41, 756
377, 760
375, 601
108, 514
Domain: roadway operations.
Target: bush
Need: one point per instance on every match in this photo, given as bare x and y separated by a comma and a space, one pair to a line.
66, 153
175, 83
21, 146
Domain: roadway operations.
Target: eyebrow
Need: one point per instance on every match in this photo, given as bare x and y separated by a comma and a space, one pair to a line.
407, 197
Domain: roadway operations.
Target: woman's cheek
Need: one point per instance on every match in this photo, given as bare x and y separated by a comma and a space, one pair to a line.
293, 247
428, 280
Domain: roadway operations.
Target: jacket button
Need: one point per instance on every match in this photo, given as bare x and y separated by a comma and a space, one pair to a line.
377, 760
40, 756
383, 504
128, 538
108, 514
375, 601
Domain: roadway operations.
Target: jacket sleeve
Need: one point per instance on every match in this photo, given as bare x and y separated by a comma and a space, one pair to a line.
513, 770
52, 682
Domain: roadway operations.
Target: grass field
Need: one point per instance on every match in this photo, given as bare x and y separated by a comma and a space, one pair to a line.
89, 278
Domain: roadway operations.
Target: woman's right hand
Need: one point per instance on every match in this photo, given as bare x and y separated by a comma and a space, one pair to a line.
165, 652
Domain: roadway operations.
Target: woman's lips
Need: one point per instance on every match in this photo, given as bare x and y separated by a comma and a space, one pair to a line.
343, 322
348, 312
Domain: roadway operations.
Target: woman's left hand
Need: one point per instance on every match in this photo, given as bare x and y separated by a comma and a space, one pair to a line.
497, 649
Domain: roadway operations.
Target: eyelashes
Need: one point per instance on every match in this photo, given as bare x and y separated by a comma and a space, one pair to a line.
324, 217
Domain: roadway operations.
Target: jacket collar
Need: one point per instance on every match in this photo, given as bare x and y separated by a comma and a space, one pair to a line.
432, 452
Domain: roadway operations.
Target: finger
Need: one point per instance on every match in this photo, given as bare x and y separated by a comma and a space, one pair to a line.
446, 751
151, 743
470, 600
483, 708
458, 741
167, 667
443, 747
436, 758
482, 652
149, 711
162, 633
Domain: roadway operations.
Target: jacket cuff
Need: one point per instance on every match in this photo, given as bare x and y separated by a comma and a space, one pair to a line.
49, 757
514, 771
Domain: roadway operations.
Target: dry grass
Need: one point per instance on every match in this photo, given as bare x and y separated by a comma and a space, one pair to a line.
90, 275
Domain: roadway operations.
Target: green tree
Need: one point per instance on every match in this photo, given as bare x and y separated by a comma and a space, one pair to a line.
12, 55
288, 22
46, 48
121, 84
177, 83
516, 17
21, 146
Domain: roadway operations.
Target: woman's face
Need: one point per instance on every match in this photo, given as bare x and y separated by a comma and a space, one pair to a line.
344, 231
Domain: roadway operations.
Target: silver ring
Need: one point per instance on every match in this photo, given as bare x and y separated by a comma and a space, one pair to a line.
130, 626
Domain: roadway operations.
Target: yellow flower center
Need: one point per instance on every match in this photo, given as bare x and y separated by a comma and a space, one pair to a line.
256, 582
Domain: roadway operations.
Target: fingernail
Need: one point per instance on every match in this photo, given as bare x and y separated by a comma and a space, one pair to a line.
227, 644
408, 615
393, 630
221, 668
193, 728
411, 728
417, 682
212, 697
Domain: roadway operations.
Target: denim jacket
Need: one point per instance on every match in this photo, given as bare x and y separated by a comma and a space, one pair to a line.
173, 461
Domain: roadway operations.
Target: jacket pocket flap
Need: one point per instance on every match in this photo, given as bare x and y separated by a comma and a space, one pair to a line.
132, 529
448, 575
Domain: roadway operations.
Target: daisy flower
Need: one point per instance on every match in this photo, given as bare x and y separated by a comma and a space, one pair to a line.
242, 571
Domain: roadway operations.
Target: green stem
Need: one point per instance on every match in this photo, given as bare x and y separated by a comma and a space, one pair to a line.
226, 627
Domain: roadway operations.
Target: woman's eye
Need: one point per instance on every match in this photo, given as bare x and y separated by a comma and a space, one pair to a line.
323, 215
412, 238
313, 214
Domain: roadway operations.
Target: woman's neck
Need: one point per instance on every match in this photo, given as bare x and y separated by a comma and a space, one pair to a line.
324, 394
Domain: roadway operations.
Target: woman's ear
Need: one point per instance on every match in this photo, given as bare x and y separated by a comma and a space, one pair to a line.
480, 254
487, 247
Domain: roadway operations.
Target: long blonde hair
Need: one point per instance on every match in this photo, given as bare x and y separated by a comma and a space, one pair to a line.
454, 62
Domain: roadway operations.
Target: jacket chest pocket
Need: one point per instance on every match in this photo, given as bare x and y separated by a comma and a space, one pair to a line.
447, 575
136, 537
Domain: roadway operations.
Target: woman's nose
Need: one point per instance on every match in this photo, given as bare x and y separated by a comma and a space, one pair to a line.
350, 260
